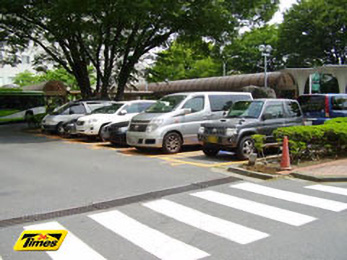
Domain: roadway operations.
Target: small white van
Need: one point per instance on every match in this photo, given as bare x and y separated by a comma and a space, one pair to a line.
174, 120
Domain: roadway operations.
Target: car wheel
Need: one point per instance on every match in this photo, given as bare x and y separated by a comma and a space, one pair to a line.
60, 129
245, 148
210, 152
172, 143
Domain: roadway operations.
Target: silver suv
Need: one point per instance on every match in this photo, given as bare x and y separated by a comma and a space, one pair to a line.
245, 118
174, 120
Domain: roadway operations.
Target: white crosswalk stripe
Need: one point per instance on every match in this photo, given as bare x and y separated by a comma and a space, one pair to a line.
330, 189
292, 196
164, 246
281, 215
214, 225
71, 248
151, 240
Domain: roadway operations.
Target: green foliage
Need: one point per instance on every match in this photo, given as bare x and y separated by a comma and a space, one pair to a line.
259, 141
314, 32
243, 55
184, 60
28, 78
112, 36
336, 120
314, 142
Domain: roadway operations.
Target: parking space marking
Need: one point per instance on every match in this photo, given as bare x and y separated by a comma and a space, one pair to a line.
173, 159
204, 165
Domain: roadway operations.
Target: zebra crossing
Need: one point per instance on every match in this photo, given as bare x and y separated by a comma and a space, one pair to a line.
161, 245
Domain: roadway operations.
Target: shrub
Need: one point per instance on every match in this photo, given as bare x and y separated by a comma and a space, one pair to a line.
339, 120
314, 142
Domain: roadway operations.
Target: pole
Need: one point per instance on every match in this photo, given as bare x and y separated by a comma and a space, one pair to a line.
265, 71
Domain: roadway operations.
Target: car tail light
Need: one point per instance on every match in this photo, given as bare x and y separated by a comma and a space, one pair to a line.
327, 106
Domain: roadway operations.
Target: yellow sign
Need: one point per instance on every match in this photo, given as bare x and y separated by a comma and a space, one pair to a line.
40, 240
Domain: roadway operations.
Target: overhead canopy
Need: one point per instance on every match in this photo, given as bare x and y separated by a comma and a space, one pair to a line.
276, 80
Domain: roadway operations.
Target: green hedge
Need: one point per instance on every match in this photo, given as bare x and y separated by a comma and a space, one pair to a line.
315, 142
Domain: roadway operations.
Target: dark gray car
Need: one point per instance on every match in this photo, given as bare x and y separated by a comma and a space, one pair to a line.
245, 118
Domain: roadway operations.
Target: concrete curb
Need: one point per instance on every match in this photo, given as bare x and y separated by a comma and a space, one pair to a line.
259, 175
323, 178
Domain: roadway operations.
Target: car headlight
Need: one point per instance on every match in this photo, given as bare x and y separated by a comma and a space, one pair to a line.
230, 131
153, 125
201, 130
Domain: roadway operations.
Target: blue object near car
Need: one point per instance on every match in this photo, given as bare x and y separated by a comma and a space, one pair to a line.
317, 108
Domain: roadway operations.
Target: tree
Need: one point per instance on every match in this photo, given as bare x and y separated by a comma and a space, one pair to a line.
243, 55
314, 32
112, 35
28, 78
184, 60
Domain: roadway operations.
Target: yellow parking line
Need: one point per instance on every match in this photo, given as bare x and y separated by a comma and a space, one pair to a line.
204, 165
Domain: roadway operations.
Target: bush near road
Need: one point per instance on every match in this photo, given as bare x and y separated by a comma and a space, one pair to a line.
316, 142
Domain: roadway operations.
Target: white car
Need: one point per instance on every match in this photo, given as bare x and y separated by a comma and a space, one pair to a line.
54, 122
91, 125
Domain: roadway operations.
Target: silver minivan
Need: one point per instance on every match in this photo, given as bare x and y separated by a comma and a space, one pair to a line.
174, 120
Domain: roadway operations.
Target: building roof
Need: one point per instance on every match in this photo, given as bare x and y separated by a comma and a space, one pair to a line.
276, 80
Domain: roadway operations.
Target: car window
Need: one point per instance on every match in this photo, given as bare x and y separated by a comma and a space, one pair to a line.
195, 104
132, 108
144, 106
224, 102
77, 109
293, 109
312, 103
339, 103
275, 110
246, 109
166, 104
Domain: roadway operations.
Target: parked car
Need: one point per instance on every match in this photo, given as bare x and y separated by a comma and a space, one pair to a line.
92, 124
54, 121
318, 108
175, 119
115, 133
70, 128
245, 118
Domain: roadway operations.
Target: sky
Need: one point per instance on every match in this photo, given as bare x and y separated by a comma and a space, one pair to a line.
284, 5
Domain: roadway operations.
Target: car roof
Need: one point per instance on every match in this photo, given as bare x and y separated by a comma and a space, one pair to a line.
211, 92
322, 94
274, 99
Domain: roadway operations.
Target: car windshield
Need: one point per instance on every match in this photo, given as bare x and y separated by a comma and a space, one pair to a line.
60, 109
166, 104
111, 109
246, 109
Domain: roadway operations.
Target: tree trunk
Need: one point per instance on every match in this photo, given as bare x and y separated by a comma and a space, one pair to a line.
82, 78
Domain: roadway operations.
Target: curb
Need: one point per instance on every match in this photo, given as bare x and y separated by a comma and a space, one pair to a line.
323, 178
259, 175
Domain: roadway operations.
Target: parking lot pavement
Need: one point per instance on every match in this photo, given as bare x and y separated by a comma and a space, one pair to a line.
189, 156
45, 173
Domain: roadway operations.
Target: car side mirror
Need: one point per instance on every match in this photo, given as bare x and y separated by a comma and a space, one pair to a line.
71, 112
187, 111
123, 112
225, 113
267, 116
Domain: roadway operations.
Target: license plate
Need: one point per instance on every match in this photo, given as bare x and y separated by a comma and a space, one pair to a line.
212, 139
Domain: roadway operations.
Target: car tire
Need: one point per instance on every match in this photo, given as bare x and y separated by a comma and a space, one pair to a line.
245, 148
60, 129
210, 152
172, 143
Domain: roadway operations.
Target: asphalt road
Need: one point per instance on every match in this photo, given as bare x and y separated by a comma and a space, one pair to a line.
40, 173
243, 219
